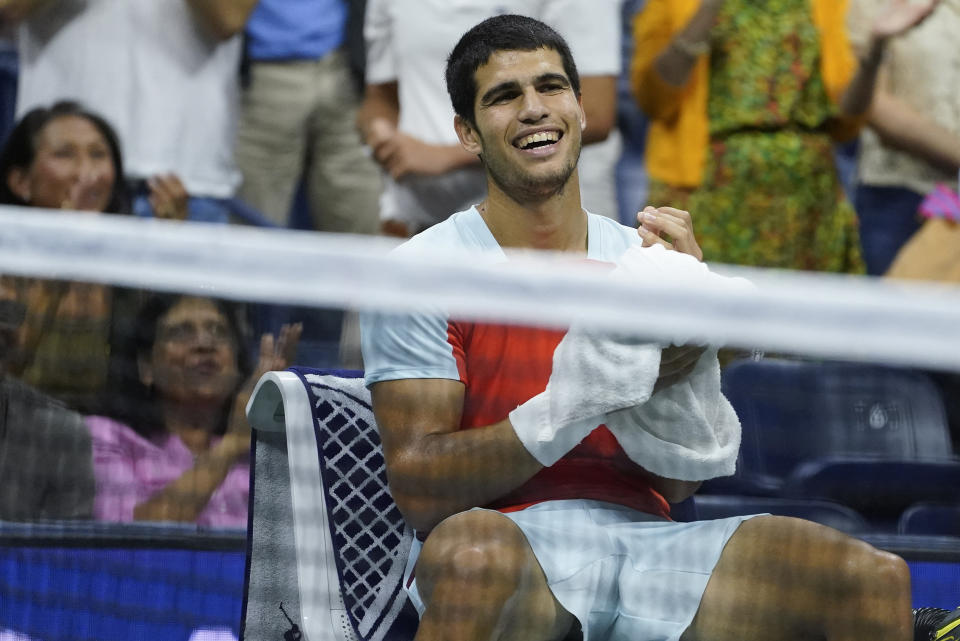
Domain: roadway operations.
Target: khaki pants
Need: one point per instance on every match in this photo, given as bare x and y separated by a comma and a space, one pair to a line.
298, 119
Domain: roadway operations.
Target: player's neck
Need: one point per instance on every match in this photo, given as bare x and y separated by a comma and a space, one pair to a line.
557, 223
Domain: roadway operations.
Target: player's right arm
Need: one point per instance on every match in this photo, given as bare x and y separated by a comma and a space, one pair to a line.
435, 469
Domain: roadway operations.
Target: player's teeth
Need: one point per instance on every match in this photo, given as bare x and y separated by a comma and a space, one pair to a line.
538, 137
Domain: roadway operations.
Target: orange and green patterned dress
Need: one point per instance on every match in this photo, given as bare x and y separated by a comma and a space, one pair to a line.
770, 194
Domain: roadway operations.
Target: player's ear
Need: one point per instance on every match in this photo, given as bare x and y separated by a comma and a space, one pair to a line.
468, 135
583, 113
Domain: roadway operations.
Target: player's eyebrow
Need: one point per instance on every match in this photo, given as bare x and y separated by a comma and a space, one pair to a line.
514, 85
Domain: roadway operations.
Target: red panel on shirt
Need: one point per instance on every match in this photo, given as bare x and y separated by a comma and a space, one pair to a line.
504, 365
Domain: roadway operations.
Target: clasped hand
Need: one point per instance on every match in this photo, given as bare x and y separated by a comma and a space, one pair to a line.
672, 228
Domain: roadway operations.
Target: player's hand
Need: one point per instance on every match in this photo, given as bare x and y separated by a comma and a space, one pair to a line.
672, 228
676, 363
168, 197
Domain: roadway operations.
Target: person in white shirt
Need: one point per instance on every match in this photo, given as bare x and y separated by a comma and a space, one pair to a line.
407, 120
163, 72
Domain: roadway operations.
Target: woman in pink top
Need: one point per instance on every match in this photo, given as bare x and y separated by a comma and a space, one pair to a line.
182, 452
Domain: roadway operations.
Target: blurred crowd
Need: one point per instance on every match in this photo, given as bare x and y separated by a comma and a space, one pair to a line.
800, 134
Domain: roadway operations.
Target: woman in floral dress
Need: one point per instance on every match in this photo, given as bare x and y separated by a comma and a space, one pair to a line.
746, 98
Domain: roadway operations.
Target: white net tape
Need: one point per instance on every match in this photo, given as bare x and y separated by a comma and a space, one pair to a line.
844, 317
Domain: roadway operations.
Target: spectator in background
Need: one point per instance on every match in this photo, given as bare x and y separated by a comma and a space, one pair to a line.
65, 156
745, 100
9, 70
298, 118
164, 72
632, 123
45, 461
913, 138
181, 454
407, 119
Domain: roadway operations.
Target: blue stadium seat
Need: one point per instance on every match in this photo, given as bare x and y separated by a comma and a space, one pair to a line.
939, 519
795, 411
880, 488
839, 517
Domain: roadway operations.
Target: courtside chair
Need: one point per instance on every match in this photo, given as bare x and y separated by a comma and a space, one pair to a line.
327, 542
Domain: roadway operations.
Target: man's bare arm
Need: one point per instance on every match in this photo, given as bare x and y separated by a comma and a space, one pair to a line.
900, 125
434, 468
599, 106
223, 18
13, 11
381, 104
398, 153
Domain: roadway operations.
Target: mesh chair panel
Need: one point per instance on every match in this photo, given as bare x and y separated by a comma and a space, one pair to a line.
370, 539
351, 543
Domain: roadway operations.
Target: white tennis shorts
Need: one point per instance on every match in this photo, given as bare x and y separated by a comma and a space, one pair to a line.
624, 574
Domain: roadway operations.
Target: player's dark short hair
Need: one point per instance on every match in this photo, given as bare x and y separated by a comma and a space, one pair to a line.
501, 33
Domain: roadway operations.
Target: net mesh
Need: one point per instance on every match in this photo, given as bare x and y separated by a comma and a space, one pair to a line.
879, 357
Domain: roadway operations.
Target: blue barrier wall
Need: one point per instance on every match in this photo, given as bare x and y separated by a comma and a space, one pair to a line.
106, 582
121, 583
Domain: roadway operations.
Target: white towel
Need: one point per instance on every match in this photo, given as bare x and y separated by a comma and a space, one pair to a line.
687, 431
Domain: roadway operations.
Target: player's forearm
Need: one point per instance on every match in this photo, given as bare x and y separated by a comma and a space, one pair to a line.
447, 473
900, 125
223, 18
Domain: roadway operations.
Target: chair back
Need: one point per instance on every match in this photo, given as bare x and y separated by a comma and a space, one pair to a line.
351, 543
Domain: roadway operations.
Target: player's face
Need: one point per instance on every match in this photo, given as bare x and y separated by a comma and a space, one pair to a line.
528, 123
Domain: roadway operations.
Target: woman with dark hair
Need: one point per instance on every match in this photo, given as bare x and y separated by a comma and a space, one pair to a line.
65, 157
181, 454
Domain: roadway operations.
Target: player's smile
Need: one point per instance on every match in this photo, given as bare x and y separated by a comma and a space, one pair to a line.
539, 142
